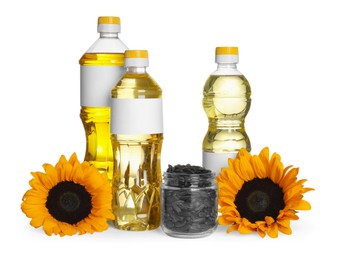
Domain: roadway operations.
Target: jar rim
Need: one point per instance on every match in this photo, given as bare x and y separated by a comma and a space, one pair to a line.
186, 174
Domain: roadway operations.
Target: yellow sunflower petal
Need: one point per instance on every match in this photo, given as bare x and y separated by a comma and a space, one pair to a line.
227, 220
67, 229
62, 160
73, 159
224, 221
226, 200
38, 186
264, 156
261, 232
245, 230
284, 226
247, 169
298, 185
229, 210
230, 164
289, 178
243, 153
293, 190
33, 200
285, 230
32, 211
286, 169
56, 230
225, 186
48, 226
66, 172
273, 230
304, 190
261, 225
283, 222
100, 201
293, 201
93, 180
276, 168
49, 169
42, 194
303, 205
85, 227
269, 220
232, 228
290, 214
238, 170
37, 221
236, 180
97, 223
44, 180
102, 212
85, 165
258, 167
78, 174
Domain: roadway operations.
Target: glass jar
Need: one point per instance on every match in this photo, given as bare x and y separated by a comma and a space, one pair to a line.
189, 204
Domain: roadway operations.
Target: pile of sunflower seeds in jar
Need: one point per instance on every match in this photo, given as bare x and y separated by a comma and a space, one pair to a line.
189, 201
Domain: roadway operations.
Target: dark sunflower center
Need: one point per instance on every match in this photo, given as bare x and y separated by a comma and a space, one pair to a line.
69, 202
258, 201
259, 198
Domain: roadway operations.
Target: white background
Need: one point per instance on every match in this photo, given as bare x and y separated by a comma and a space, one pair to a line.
287, 52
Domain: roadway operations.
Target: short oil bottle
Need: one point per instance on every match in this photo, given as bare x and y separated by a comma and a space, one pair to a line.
226, 103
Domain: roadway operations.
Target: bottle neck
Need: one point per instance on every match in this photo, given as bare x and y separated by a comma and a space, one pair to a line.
108, 35
226, 69
226, 66
136, 70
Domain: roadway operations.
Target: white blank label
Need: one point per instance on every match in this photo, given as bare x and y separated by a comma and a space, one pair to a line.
136, 116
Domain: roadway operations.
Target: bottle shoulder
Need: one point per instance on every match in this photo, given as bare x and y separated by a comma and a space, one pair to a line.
134, 85
107, 45
226, 71
228, 85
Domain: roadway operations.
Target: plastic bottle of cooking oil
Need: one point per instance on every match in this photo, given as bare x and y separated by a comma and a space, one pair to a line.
101, 67
136, 136
226, 102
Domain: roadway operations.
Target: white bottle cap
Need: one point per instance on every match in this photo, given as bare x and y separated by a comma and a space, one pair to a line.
136, 58
227, 55
109, 24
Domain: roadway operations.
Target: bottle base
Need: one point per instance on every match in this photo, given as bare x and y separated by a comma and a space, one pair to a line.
172, 233
135, 226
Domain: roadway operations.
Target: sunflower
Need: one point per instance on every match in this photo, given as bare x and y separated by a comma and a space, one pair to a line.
69, 198
256, 193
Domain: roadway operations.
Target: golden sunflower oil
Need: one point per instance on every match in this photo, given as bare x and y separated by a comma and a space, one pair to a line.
226, 102
136, 137
101, 67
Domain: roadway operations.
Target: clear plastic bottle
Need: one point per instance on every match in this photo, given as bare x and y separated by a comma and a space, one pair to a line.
101, 67
136, 136
226, 102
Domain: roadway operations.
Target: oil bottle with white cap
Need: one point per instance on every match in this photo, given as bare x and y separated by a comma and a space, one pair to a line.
102, 66
136, 137
226, 102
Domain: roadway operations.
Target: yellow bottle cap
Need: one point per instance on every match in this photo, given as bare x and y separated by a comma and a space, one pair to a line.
227, 55
226, 51
109, 24
129, 54
109, 20
136, 58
